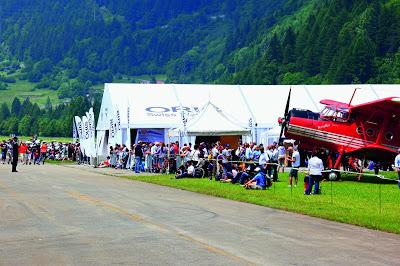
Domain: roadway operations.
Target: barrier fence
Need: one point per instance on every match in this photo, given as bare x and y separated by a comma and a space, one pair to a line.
380, 180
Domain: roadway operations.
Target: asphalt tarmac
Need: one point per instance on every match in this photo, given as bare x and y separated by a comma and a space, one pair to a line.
58, 215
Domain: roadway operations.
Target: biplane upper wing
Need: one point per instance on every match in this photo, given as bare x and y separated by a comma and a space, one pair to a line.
390, 106
334, 103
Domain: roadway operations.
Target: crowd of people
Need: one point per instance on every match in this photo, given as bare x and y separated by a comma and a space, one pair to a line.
36, 152
250, 165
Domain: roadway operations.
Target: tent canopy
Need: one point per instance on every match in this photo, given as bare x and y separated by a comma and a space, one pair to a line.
212, 121
165, 105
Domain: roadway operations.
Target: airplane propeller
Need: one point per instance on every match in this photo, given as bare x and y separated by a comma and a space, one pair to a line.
285, 117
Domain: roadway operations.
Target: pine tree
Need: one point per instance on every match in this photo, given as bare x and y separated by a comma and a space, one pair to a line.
4, 112
16, 107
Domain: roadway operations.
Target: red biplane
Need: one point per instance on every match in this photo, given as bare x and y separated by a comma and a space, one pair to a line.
370, 130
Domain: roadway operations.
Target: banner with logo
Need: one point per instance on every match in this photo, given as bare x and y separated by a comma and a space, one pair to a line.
74, 131
78, 124
93, 130
118, 131
85, 136
111, 137
128, 128
91, 145
150, 135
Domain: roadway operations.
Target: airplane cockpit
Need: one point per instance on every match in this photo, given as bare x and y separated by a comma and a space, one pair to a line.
335, 114
301, 113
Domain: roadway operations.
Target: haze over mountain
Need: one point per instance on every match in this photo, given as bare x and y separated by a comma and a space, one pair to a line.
61, 49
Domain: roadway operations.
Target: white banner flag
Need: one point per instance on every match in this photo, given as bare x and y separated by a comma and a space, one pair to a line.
93, 131
78, 123
74, 131
118, 131
90, 145
111, 138
85, 136
128, 128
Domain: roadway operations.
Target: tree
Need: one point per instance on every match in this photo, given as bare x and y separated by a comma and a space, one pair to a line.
288, 45
24, 127
26, 107
48, 106
11, 125
16, 107
4, 112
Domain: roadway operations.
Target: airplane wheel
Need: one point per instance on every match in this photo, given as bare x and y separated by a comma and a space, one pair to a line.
333, 176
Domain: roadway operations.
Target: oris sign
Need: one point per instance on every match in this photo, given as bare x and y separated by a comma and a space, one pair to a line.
174, 111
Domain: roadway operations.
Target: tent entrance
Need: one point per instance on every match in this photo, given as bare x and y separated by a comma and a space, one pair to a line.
107, 136
133, 133
233, 141
207, 139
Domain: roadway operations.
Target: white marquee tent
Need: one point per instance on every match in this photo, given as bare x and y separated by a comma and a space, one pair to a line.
210, 121
256, 107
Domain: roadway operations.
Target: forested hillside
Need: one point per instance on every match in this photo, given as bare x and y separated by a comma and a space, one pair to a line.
67, 48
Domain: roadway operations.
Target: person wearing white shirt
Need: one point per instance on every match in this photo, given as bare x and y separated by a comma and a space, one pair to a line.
189, 173
214, 154
397, 166
281, 157
315, 167
262, 161
195, 155
274, 158
270, 168
295, 159
153, 151
248, 153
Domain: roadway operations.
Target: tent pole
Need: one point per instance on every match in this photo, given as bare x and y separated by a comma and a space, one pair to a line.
168, 153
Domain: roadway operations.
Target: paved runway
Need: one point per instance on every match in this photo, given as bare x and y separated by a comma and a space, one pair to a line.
55, 215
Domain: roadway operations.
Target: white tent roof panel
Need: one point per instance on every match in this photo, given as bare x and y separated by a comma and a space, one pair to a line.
211, 120
158, 105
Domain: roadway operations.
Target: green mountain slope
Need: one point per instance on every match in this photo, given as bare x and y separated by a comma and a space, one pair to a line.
336, 42
66, 48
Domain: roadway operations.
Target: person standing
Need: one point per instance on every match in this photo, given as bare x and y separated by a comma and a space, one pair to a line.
262, 162
15, 149
397, 166
274, 160
281, 157
315, 167
43, 152
138, 157
295, 160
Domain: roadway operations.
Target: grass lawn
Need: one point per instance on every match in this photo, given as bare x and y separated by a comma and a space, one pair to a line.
47, 139
351, 202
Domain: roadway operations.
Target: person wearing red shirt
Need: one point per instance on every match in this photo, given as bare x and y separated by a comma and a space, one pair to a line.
22, 150
43, 152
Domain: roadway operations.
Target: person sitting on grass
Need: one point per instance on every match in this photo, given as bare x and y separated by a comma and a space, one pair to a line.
105, 164
189, 173
258, 181
230, 175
